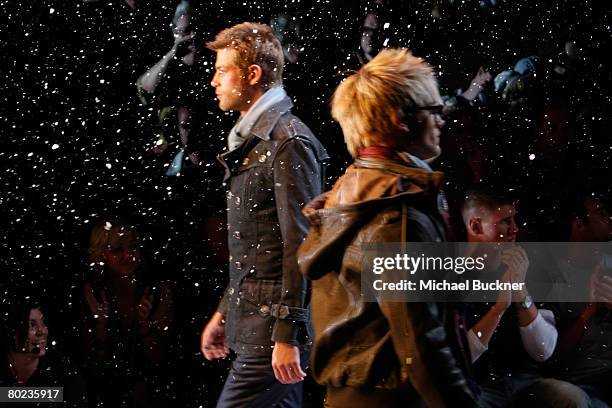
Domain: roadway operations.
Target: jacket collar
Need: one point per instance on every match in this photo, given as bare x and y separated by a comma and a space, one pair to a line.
426, 180
242, 130
260, 130
268, 119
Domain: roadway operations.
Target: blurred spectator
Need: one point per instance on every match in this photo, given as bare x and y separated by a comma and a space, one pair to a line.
370, 26
175, 73
28, 360
289, 32
393, 23
128, 321
584, 355
509, 338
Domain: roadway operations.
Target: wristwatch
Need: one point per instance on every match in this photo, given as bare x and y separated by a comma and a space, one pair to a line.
526, 303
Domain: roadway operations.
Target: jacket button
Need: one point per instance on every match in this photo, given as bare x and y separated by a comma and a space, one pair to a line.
237, 235
264, 309
263, 158
231, 291
408, 360
246, 161
238, 265
237, 200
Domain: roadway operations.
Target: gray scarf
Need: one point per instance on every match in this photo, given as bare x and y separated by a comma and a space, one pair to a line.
243, 127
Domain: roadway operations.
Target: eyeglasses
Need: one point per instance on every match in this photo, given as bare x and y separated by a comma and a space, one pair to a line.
434, 109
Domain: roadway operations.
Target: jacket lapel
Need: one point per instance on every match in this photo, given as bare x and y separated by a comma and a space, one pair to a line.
232, 160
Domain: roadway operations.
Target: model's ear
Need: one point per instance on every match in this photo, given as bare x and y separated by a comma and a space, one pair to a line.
475, 225
398, 121
254, 74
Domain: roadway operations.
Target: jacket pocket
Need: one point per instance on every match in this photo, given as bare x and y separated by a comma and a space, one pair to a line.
253, 193
256, 321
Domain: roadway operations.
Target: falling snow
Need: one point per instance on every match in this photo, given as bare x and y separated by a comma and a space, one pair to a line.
79, 145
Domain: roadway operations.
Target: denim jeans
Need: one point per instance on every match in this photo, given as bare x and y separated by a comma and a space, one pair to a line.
251, 383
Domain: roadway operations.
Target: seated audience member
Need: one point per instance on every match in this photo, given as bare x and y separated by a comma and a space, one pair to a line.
584, 352
129, 316
27, 360
387, 354
509, 338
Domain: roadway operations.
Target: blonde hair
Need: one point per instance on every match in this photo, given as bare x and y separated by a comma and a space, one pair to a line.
255, 45
106, 235
367, 102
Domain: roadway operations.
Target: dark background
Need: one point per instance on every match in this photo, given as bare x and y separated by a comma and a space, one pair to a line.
73, 136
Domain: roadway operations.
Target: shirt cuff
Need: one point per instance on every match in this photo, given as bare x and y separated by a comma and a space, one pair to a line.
286, 331
540, 336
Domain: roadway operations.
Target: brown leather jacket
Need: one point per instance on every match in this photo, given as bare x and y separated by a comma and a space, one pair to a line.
388, 345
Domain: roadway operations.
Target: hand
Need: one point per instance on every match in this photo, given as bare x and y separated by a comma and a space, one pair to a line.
504, 297
481, 78
183, 45
478, 82
316, 203
517, 262
145, 305
213, 343
600, 287
286, 363
99, 310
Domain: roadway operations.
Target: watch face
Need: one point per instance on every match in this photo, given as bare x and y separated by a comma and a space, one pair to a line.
527, 302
